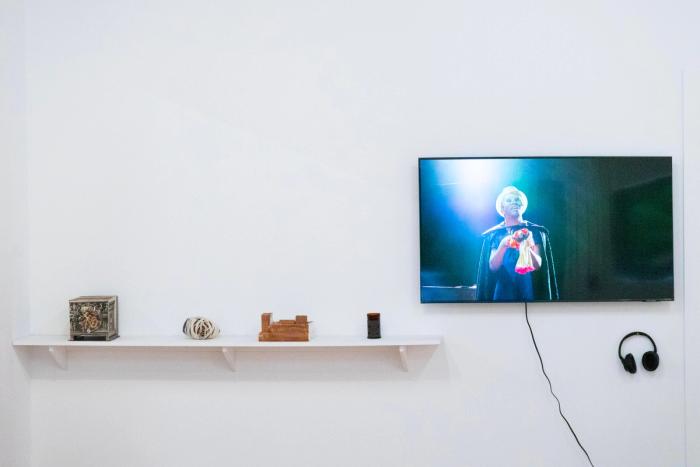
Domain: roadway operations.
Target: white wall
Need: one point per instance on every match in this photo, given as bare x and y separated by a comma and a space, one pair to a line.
14, 310
236, 157
692, 251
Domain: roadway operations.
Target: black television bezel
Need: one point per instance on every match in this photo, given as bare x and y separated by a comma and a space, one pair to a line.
420, 223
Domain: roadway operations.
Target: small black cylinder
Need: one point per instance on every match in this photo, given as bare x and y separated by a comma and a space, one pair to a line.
373, 326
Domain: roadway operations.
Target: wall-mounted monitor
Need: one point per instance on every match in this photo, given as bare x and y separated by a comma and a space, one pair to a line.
529, 229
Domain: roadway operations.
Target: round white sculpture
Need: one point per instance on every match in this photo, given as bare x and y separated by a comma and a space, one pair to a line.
200, 328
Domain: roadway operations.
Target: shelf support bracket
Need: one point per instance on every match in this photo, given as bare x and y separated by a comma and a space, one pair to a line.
230, 356
59, 356
403, 355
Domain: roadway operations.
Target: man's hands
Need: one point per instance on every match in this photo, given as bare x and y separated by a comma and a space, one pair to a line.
513, 241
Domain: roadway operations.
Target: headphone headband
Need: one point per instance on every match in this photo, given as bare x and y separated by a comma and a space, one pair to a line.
635, 333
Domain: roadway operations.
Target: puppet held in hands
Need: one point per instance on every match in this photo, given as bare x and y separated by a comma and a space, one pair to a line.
522, 240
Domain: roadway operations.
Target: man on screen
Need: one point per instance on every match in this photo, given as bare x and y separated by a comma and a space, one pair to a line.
516, 261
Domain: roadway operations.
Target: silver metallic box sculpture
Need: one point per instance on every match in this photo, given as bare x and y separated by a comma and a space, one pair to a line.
94, 318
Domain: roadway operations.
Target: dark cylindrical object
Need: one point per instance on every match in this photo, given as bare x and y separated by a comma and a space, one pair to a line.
373, 326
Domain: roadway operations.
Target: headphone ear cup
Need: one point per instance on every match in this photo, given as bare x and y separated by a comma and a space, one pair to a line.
629, 363
650, 360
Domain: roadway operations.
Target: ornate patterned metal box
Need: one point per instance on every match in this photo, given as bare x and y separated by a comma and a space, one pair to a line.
94, 318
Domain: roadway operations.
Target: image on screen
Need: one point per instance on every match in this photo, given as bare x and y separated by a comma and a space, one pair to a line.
529, 229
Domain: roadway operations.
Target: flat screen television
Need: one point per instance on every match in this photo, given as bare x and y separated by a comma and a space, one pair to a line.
532, 229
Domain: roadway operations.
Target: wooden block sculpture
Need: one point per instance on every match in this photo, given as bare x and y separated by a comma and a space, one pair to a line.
284, 330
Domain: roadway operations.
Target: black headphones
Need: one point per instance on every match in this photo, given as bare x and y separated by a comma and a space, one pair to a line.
650, 359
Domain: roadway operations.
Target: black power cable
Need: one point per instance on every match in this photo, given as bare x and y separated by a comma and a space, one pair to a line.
552, 391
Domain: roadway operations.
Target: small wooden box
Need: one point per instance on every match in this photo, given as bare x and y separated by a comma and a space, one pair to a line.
94, 318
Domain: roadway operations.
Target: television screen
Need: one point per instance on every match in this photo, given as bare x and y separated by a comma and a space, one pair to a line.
531, 229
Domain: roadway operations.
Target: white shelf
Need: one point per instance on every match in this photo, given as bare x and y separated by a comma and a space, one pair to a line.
58, 346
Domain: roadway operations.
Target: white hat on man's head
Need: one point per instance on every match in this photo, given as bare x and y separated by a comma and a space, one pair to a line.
507, 191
